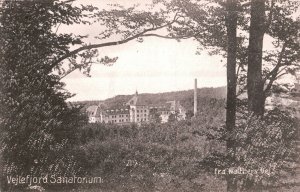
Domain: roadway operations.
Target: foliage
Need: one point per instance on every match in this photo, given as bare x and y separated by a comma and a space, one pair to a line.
266, 147
37, 125
206, 22
151, 157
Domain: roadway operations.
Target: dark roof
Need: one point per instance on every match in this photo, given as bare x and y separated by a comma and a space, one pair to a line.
161, 106
91, 108
116, 111
136, 100
94, 110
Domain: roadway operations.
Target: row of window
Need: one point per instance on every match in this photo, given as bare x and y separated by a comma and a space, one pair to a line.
141, 115
120, 120
141, 111
142, 119
115, 116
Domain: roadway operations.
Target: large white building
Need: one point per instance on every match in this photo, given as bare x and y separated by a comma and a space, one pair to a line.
139, 111
136, 110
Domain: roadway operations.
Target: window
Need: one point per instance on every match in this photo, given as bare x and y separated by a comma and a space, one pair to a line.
145, 115
145, 111
137, 115
137, 111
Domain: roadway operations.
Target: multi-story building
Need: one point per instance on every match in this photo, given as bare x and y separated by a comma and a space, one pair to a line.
139, 111
99, 115
117, 116
136, 110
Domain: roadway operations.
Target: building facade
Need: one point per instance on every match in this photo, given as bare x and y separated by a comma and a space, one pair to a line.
136, 110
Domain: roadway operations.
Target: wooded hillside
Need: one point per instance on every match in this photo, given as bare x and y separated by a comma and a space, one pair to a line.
185, 97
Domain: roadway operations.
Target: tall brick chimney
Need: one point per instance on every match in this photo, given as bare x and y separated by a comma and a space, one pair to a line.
195, 98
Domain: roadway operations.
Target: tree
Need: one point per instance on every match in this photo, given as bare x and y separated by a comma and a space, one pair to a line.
172, 117
189, 114
265, 67
37, 125
260, 76
284, 29
156, 118
254, 73
127, 24
231, 26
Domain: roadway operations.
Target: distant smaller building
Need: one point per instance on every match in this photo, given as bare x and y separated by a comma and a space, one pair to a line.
94, 113
167, 109
296, 90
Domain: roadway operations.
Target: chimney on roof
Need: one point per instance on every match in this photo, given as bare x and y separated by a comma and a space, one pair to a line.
136, 93
195, 98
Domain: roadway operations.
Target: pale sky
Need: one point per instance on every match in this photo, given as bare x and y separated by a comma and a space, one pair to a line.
156, 65
153, 66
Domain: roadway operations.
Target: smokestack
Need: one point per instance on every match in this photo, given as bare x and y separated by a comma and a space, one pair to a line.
195, 98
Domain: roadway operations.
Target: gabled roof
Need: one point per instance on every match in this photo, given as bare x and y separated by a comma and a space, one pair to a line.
91, 109
94, 110
136, 100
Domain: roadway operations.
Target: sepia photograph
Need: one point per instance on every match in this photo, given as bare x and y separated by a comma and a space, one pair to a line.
149, 95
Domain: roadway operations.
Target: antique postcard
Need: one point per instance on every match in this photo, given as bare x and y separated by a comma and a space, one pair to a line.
154, 96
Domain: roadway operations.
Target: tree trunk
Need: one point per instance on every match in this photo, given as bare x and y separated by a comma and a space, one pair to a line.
231, 24
255, 83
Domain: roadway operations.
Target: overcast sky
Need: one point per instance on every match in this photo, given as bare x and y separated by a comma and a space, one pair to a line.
153, 66
156, 65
